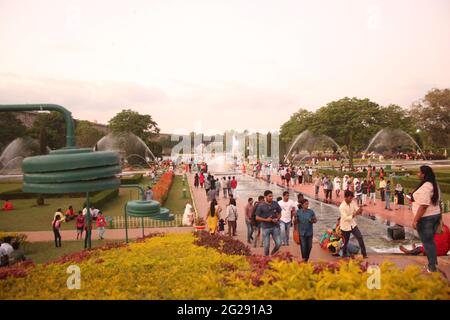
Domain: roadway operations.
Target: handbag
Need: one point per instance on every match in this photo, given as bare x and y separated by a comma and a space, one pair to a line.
296, 234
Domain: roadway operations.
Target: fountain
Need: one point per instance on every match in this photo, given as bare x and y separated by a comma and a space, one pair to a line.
13, 155
307, 144
388, 140
131, 148
72, 169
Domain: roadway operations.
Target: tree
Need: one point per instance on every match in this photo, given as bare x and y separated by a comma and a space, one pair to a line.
396, 117
299, 121
55, 127
86, 134
142, 125
351, 122
10, 129
432, 115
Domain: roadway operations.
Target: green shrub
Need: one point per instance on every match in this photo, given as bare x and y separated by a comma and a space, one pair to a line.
134, 179
19, 195
103, 197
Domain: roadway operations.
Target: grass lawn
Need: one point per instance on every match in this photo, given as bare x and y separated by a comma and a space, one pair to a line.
7, 187
42, 252
175, 201
28, 217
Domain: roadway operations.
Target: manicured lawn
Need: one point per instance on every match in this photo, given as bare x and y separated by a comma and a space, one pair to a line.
42, 252
175, 201
29, 217
7, 187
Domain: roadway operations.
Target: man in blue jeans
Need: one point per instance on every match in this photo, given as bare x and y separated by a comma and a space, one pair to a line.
269, 214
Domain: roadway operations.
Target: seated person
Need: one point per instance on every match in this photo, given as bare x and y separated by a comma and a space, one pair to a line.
5, 251
442, 241
7, 206
17, 255
70, 214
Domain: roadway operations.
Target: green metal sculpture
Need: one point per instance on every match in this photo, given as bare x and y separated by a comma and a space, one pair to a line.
72, 170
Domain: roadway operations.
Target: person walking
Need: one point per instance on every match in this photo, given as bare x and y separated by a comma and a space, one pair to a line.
269, 214
365, 191
196, 180
80, 225
213, 216
225, 187
358, 193
381, 188
201, 179
427, 213
387, 192
248, 219
232, 216
256, 224
372, 191
349, 210
234, 184
218, 188
101, 224
317, 183
337, 186
305, 218
400, 196
229, 187
287, 212
56, 225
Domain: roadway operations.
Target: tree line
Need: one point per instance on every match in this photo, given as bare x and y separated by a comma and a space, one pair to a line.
352, 122
50, 129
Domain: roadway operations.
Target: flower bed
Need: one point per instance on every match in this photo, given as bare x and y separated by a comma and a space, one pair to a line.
174, 267
162, 187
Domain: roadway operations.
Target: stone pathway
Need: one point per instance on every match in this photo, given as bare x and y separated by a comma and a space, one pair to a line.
317, 253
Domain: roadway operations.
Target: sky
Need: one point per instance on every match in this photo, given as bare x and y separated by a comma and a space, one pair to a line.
212, 65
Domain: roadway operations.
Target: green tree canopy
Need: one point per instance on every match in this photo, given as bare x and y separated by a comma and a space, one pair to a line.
432, 115
10, 129
55, 129
351, 122
86, 134
142, 125
299, 121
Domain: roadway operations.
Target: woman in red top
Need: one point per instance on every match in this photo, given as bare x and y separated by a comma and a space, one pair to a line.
80, 225
202, 180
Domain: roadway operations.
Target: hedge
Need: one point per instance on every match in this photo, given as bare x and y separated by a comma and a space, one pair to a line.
103, 197
412, 183
134, 179
19, 195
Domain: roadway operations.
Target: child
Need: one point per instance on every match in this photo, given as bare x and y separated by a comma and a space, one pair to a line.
80, 225
221, 228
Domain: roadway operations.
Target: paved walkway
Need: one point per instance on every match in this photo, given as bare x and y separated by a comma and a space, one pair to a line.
317, 253
403, 216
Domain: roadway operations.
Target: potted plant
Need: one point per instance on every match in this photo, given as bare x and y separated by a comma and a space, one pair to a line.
199, 223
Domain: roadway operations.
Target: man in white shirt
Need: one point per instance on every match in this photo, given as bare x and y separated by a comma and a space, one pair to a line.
349, 210
288, 209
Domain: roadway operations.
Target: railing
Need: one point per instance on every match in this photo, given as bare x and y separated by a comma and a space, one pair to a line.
118, 222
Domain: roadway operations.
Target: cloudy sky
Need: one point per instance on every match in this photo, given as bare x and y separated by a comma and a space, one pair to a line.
220, 64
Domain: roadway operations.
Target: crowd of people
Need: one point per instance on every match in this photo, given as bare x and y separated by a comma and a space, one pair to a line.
81, 223
270, 221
